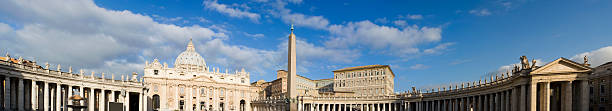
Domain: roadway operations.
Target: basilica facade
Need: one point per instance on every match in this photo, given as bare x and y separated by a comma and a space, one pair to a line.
191, 85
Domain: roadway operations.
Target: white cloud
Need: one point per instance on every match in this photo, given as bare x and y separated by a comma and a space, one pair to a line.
317, 22
5, 30
412, 17
397, 41
400, 23
237, 56
438, 49
419, 66
381, 20
596, 57
295, 1
232, 12
480, 12
83, 35
298, 19
254, 35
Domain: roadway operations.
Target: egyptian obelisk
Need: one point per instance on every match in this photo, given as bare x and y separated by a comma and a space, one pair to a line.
291, 79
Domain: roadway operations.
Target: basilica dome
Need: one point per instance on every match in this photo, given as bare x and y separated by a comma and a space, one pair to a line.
190, 57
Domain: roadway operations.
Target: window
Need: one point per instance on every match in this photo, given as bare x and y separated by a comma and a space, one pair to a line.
602, 89
182, 90
181, 104
155, 72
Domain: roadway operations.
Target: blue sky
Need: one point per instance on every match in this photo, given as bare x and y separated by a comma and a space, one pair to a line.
427, 43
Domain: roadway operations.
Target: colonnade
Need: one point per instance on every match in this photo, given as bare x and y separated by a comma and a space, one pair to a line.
27, 94
394, 106
27, 87
537, 96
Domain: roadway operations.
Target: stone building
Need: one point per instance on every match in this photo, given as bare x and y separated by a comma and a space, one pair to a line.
191, 85
365, 80
601, 88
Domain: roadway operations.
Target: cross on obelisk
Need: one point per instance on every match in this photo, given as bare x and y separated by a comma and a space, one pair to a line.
291, 79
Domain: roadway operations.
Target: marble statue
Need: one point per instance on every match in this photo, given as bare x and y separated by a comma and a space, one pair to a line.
524, 62
586, 60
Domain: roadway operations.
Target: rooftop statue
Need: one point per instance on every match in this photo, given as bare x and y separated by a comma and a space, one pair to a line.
533, 63
586, 60
524, 62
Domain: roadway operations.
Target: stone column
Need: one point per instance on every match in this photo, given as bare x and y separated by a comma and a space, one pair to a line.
486, 103
46, 101
58, 96
101, 100
513, 101
141, 105
112, 97
70, 93
312, 107
90, 99
7, 93
362, 108
462, 104
82, 94
584, 95
508, 100
533, 94
545, 97
522, 98
500, 101
566, 96
34, 95
408, 106
20, 96
127, 101
384, 106
492, 101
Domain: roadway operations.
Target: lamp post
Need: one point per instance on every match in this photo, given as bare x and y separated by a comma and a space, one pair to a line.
76, 103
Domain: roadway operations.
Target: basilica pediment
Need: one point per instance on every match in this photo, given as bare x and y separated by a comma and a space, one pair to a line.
562, 65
